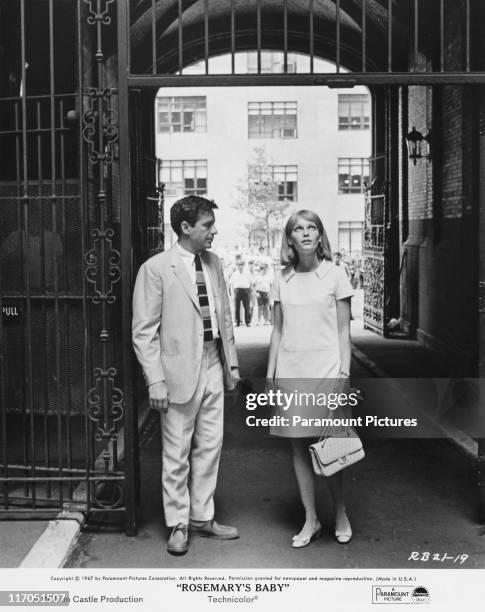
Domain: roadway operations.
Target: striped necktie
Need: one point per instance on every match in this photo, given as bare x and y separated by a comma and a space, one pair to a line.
203, 298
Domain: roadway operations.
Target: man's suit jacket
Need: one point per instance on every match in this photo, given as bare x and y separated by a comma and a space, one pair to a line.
167, 326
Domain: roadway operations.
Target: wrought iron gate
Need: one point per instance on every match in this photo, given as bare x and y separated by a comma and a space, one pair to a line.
375, 221
64, 423
67, 412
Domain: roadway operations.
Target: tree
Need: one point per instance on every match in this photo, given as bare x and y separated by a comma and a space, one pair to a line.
261, 198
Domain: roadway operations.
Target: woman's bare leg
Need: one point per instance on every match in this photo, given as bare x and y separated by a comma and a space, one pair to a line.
306, 485
342, 523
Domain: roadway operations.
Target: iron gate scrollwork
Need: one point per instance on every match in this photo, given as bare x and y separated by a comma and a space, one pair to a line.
105, 403
374, 246
103, 265
100, 109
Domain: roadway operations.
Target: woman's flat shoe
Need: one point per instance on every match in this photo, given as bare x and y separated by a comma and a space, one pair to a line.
344, 536
300, 542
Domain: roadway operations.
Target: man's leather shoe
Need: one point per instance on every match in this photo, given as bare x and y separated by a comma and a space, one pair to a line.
212, 529
178, 542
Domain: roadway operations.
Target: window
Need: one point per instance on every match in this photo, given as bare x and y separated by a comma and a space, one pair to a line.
182, 114
353, 174
184, 177
353, 112
285, 179
271, 62
272, 119
350, 236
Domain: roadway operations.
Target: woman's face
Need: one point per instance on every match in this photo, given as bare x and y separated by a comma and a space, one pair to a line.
304, 236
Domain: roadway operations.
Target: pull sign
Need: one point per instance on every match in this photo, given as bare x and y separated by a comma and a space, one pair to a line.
12, 313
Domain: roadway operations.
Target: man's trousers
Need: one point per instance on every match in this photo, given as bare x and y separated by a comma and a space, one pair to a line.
191, 446
241, 296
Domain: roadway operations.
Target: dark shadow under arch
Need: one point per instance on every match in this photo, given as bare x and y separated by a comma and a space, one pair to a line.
176, 47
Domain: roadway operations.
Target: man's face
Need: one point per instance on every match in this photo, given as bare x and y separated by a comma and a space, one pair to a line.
200, 235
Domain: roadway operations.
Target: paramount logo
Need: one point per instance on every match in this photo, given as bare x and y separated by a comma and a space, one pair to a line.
399, 594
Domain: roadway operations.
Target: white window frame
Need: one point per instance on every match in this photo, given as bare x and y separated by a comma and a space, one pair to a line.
349, 228
350, 163
176, 108
179, 171
280, 109
347, 118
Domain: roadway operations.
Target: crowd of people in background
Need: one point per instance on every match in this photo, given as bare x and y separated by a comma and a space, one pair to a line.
249, 276
354, 267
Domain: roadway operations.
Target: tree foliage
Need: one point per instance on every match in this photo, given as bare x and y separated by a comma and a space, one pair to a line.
260, 196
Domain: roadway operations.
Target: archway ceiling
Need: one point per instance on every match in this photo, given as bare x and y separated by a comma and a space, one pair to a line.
166, 15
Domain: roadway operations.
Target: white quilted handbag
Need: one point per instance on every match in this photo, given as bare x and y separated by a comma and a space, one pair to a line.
333, 453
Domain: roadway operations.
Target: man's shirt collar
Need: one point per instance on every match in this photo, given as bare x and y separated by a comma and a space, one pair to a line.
184, 253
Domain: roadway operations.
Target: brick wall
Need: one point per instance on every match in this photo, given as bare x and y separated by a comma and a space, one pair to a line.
441, 246
420, 175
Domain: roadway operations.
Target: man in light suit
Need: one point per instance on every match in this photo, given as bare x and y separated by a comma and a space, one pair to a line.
183, 338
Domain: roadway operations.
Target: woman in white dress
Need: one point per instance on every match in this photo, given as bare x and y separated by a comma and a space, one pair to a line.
310, 351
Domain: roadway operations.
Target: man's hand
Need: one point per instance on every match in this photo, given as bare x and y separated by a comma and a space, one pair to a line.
158, 397
235, 374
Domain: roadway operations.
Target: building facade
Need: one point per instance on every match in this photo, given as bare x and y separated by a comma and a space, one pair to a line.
315, 140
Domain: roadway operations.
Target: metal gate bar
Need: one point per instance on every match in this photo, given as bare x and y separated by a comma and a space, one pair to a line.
154, 38
126, 235
28, 326
337, 36
180, 35
206, 35
55, 255
389, 35
285, 36
311, 35
414, 63
233, 37
442, 38
258, 31
348, 79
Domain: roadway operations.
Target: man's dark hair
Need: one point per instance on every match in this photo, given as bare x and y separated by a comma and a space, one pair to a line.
189, 209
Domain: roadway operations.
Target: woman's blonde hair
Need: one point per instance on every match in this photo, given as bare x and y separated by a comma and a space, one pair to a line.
288, 253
